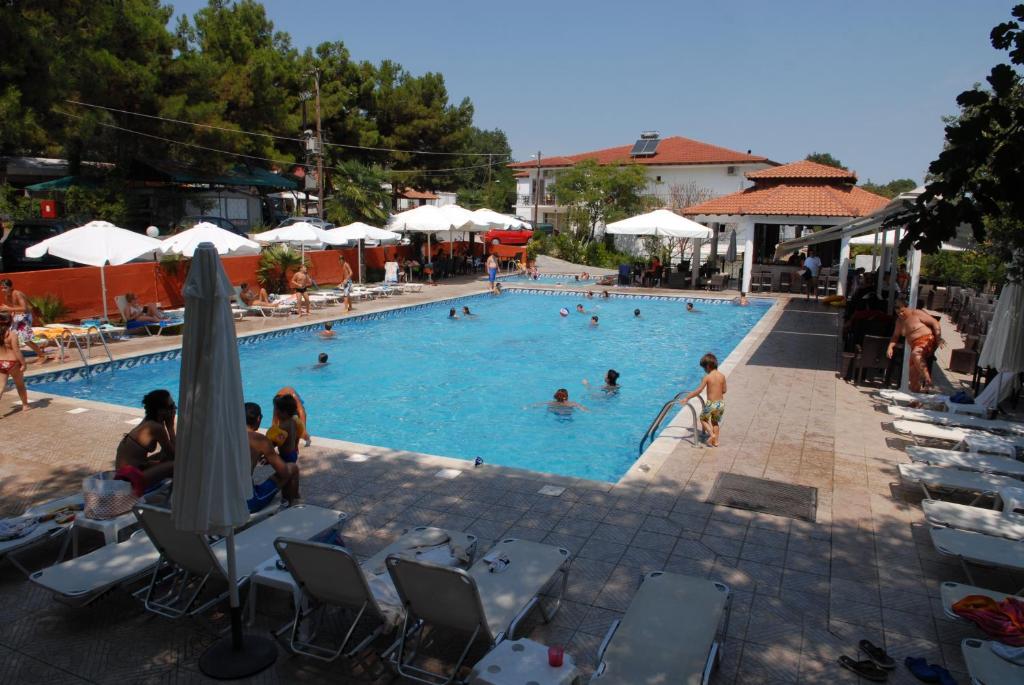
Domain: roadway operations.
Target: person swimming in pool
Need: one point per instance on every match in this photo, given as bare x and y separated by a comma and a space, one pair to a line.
561, 404
328, 331
321, 361
580, 309
452, 313
636, 313
467, 314
590, 294
593, 321
611, 383
690, 309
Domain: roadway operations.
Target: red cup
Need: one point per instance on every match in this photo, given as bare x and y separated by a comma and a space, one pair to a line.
555, 656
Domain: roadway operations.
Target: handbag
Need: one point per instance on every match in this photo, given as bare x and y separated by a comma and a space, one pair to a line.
107, 498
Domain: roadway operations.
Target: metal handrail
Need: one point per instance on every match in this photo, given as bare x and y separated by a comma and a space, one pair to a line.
656, 423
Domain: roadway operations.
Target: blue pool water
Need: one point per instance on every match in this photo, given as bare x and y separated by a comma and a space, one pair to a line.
418, 381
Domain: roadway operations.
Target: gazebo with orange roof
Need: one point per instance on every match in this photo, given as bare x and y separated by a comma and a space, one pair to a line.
785, 200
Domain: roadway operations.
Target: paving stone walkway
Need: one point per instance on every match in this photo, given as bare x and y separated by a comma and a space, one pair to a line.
804, 593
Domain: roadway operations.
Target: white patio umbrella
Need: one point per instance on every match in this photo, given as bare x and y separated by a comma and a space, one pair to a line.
97, 243
225, 242
360, 232
430, 219
499, 220
301, 232
660, 223
212, 471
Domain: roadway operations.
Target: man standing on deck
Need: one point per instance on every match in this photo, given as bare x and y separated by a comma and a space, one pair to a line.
923, 333
346, 282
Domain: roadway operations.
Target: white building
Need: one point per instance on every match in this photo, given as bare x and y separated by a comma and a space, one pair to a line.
409, 198
680, 171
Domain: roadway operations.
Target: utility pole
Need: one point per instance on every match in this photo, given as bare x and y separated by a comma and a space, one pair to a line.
536, 194
319, 150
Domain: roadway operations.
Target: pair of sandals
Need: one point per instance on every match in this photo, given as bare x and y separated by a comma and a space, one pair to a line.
877, 666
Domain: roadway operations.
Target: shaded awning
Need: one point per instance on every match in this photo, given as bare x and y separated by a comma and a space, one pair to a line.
63, 183
239, 175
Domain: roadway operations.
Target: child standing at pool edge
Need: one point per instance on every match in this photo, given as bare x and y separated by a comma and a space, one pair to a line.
714, 410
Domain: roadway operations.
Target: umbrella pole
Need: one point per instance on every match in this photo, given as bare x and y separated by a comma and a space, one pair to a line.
360, 266
103, 289
239, 655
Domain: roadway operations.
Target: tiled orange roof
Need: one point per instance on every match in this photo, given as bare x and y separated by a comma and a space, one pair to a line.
803, 169
674, 150
521, 174
417, 195
806, 198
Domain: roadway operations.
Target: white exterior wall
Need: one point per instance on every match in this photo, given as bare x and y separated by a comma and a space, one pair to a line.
660, 179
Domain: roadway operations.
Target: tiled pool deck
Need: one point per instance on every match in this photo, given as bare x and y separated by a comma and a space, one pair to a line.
804, 593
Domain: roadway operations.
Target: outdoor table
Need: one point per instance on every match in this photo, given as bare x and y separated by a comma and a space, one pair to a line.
270, 576
523, 662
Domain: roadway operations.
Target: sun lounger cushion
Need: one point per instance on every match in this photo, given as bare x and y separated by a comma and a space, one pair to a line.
531, 566
976, 519
929, 430
947, 419
86, 577
978, 548
419, 542
667, 633
970, 461
953, 479
986, 667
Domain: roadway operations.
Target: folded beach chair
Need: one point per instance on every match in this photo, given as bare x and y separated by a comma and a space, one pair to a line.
669, 634
969, 461
330, 576
975, 519
486, 602
947, 419
932, 478
978, 548
29, 529
196, 561
951, 593
985, 667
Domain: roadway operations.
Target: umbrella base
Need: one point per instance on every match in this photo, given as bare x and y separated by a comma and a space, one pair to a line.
223, 662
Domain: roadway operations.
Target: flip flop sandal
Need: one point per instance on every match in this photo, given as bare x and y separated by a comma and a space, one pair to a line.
877, 655
921, 669
945, 677
865, 669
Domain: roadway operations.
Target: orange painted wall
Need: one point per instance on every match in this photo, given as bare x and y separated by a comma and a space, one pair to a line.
79, 287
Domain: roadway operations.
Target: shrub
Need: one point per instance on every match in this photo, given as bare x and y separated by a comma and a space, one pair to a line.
48, 308
276, 263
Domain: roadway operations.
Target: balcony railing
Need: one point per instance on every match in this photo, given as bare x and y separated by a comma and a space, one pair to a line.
527, 200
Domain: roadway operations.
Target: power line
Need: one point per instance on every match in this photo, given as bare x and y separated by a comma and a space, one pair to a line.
424, 172
276, 137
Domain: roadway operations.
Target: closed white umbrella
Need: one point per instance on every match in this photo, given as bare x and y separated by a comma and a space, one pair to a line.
225, 242
359, 232
97, 243
212, 470
1004, 343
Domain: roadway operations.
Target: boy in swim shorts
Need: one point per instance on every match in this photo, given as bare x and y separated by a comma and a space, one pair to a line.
714, 410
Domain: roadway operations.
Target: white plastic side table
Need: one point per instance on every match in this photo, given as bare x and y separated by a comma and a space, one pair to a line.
269, 575
110, 528
523, 662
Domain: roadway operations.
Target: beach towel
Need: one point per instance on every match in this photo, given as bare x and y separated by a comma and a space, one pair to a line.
1002, 621
17, 527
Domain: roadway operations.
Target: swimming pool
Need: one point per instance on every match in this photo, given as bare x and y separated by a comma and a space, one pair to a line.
546, 279
414, 380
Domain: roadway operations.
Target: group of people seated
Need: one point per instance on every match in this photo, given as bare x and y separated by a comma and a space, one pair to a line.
145, 455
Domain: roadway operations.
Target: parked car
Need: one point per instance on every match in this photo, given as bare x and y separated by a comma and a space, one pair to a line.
508, 236
188, 222
26, 234
313, 220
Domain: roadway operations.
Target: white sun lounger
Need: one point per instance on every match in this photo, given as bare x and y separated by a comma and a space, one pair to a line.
668, 635
975, 440
330, 576
946, 419
946, 478
977, 548
196, 561
44, 530
478, 602
969, 461
938, 401
975, 519
986, 667
951, 593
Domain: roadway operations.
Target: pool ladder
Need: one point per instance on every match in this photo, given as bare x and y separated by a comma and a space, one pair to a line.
656, 423
68, 339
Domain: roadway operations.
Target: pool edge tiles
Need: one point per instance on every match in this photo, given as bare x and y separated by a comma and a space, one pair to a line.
298, 328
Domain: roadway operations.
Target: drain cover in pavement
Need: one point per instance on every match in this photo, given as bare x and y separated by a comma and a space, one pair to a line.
769, 496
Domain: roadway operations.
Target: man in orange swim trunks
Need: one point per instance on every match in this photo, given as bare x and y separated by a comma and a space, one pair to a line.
924, 335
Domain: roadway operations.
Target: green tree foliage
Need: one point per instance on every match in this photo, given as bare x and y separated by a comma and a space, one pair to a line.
599, 194
825, 158
973, 268
276, 265
890, 189
226, 67
978, 177
358, 195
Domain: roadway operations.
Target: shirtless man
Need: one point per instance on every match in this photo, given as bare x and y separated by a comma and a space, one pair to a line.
924, 335
301, 283
561, 404
714, 410
261, 450
346, 282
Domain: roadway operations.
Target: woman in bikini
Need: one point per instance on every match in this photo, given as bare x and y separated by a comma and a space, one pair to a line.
137, 456
12, 363
924, 335
15, 303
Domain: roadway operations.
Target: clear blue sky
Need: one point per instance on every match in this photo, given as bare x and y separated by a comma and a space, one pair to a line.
867, 81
